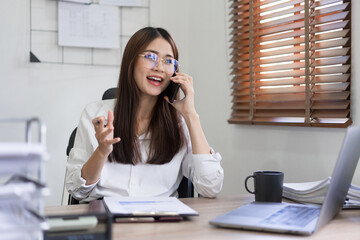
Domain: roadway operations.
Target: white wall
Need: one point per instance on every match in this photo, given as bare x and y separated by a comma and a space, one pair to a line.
58, 93
304, 154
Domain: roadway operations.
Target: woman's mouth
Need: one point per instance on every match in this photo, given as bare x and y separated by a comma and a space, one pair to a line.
154, 80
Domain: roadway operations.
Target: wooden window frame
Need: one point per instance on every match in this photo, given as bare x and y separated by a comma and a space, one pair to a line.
291, 62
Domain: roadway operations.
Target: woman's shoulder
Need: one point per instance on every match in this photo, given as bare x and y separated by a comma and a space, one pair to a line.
99, 108
101, 103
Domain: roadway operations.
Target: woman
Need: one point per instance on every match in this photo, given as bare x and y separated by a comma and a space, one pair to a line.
145, 144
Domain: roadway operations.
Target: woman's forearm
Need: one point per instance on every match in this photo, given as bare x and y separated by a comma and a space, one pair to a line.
198, 139
91, 171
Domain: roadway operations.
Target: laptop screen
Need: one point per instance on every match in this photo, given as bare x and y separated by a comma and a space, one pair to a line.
341, 177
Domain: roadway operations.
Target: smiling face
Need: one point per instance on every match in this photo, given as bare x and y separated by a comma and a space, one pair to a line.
153, 81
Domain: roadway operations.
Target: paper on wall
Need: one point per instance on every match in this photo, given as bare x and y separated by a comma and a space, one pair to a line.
91, 25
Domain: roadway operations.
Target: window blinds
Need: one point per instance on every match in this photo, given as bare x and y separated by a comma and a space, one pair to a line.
291, 62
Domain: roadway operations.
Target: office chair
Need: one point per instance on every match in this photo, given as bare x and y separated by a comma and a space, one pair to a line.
186, 188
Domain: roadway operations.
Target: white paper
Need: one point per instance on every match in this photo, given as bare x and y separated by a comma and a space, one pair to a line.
17, 149
17, 220
307, 187
79, 1
126, 3
151, 206
91, 26
315, 192
17, 190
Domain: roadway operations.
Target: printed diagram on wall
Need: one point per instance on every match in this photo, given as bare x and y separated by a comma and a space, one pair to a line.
88, 25
66, 32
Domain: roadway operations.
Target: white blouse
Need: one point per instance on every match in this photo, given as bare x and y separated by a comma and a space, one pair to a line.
117, 179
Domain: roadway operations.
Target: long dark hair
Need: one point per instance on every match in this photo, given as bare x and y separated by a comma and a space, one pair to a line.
167, 136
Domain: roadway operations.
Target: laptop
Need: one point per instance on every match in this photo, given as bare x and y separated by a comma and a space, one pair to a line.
301, 219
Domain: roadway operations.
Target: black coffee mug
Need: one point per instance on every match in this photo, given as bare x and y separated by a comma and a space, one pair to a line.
268, 186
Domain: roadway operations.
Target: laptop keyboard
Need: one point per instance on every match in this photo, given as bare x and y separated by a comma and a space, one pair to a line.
293, 215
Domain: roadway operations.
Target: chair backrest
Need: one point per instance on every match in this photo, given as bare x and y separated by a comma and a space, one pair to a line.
109, 94
186, 188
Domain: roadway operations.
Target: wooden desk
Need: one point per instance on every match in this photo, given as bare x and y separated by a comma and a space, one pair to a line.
346, 226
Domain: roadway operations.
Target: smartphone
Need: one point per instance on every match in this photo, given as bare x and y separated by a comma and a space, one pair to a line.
172, 90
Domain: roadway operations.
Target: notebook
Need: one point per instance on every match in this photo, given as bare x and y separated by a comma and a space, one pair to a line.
299, 218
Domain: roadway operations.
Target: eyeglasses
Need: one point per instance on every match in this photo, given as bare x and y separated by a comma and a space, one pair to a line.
151, 59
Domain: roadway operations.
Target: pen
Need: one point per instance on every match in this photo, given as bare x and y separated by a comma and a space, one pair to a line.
154, 213
148, 219
97, 122
134, 219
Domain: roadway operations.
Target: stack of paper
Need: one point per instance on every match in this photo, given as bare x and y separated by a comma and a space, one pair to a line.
21, 191
314, 192
353, 196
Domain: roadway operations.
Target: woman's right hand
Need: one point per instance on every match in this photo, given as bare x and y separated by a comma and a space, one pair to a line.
105, 133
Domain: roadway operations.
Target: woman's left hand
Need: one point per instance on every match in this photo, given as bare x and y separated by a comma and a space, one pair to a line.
186, 105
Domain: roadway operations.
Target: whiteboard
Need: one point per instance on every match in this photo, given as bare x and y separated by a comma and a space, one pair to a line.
44, 47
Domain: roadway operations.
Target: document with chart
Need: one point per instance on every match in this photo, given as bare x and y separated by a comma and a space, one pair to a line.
148, 206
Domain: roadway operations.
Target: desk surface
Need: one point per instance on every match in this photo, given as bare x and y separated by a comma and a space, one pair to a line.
345, 226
